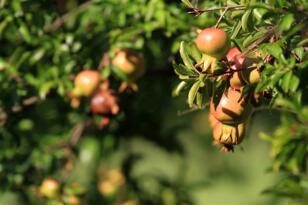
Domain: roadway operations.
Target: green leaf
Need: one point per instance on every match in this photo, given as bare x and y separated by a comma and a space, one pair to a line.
25, 33
250, 39
199, 99
179, 88
118, 72
182, 70
274, 49
246, 20
299, 52
294, 83
195, 53
276, 77
186, 60
236, 29
193, 92
187, 3
44, 89
286, 80
36, 56
286, 22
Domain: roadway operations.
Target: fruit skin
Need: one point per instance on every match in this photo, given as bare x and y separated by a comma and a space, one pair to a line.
212, 120
50, 188
237, 80
232, 107
110, 181
235, 59
229, 134
86, 82
251, 77
213, 41
130, 63
104, 102
243, 75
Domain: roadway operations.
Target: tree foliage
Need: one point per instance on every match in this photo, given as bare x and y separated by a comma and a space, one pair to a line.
45, 44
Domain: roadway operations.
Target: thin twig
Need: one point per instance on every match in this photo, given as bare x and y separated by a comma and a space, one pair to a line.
77, 131
195, 108
62, 19
221, 16
197, 11
256, 43
27, 102
105, 60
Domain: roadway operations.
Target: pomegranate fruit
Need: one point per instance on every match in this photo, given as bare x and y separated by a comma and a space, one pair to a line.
213, 41
212, 120
104, 102
232, 107
237, 81
251, 77
110, 181
130, 63
235, 59
229, 134
86, 82
50, 188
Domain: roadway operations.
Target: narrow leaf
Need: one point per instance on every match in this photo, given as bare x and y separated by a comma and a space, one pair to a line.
245, 20
193, 92
179, 88
185, 57
187, 3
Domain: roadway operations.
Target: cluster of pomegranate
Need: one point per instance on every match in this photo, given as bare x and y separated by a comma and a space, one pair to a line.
103, 100
51, 188
228, 114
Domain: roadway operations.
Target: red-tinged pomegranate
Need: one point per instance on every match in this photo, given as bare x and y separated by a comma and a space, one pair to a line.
104, 102
104, 122
130, 63
212, 120
229, 134
86, 82
235, 58
213, 41
232, 108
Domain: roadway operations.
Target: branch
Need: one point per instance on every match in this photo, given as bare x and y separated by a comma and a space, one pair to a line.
78, 130
221, 16
197, 11
62, 19
27, 102
256, 43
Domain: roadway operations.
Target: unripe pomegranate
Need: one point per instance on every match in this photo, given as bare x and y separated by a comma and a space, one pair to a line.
104, 102
232, 107
110, 181
86, 82
130, 63
50, 188
229, 134
130, 203
237, 81
213, 41
251, 77
73, 200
